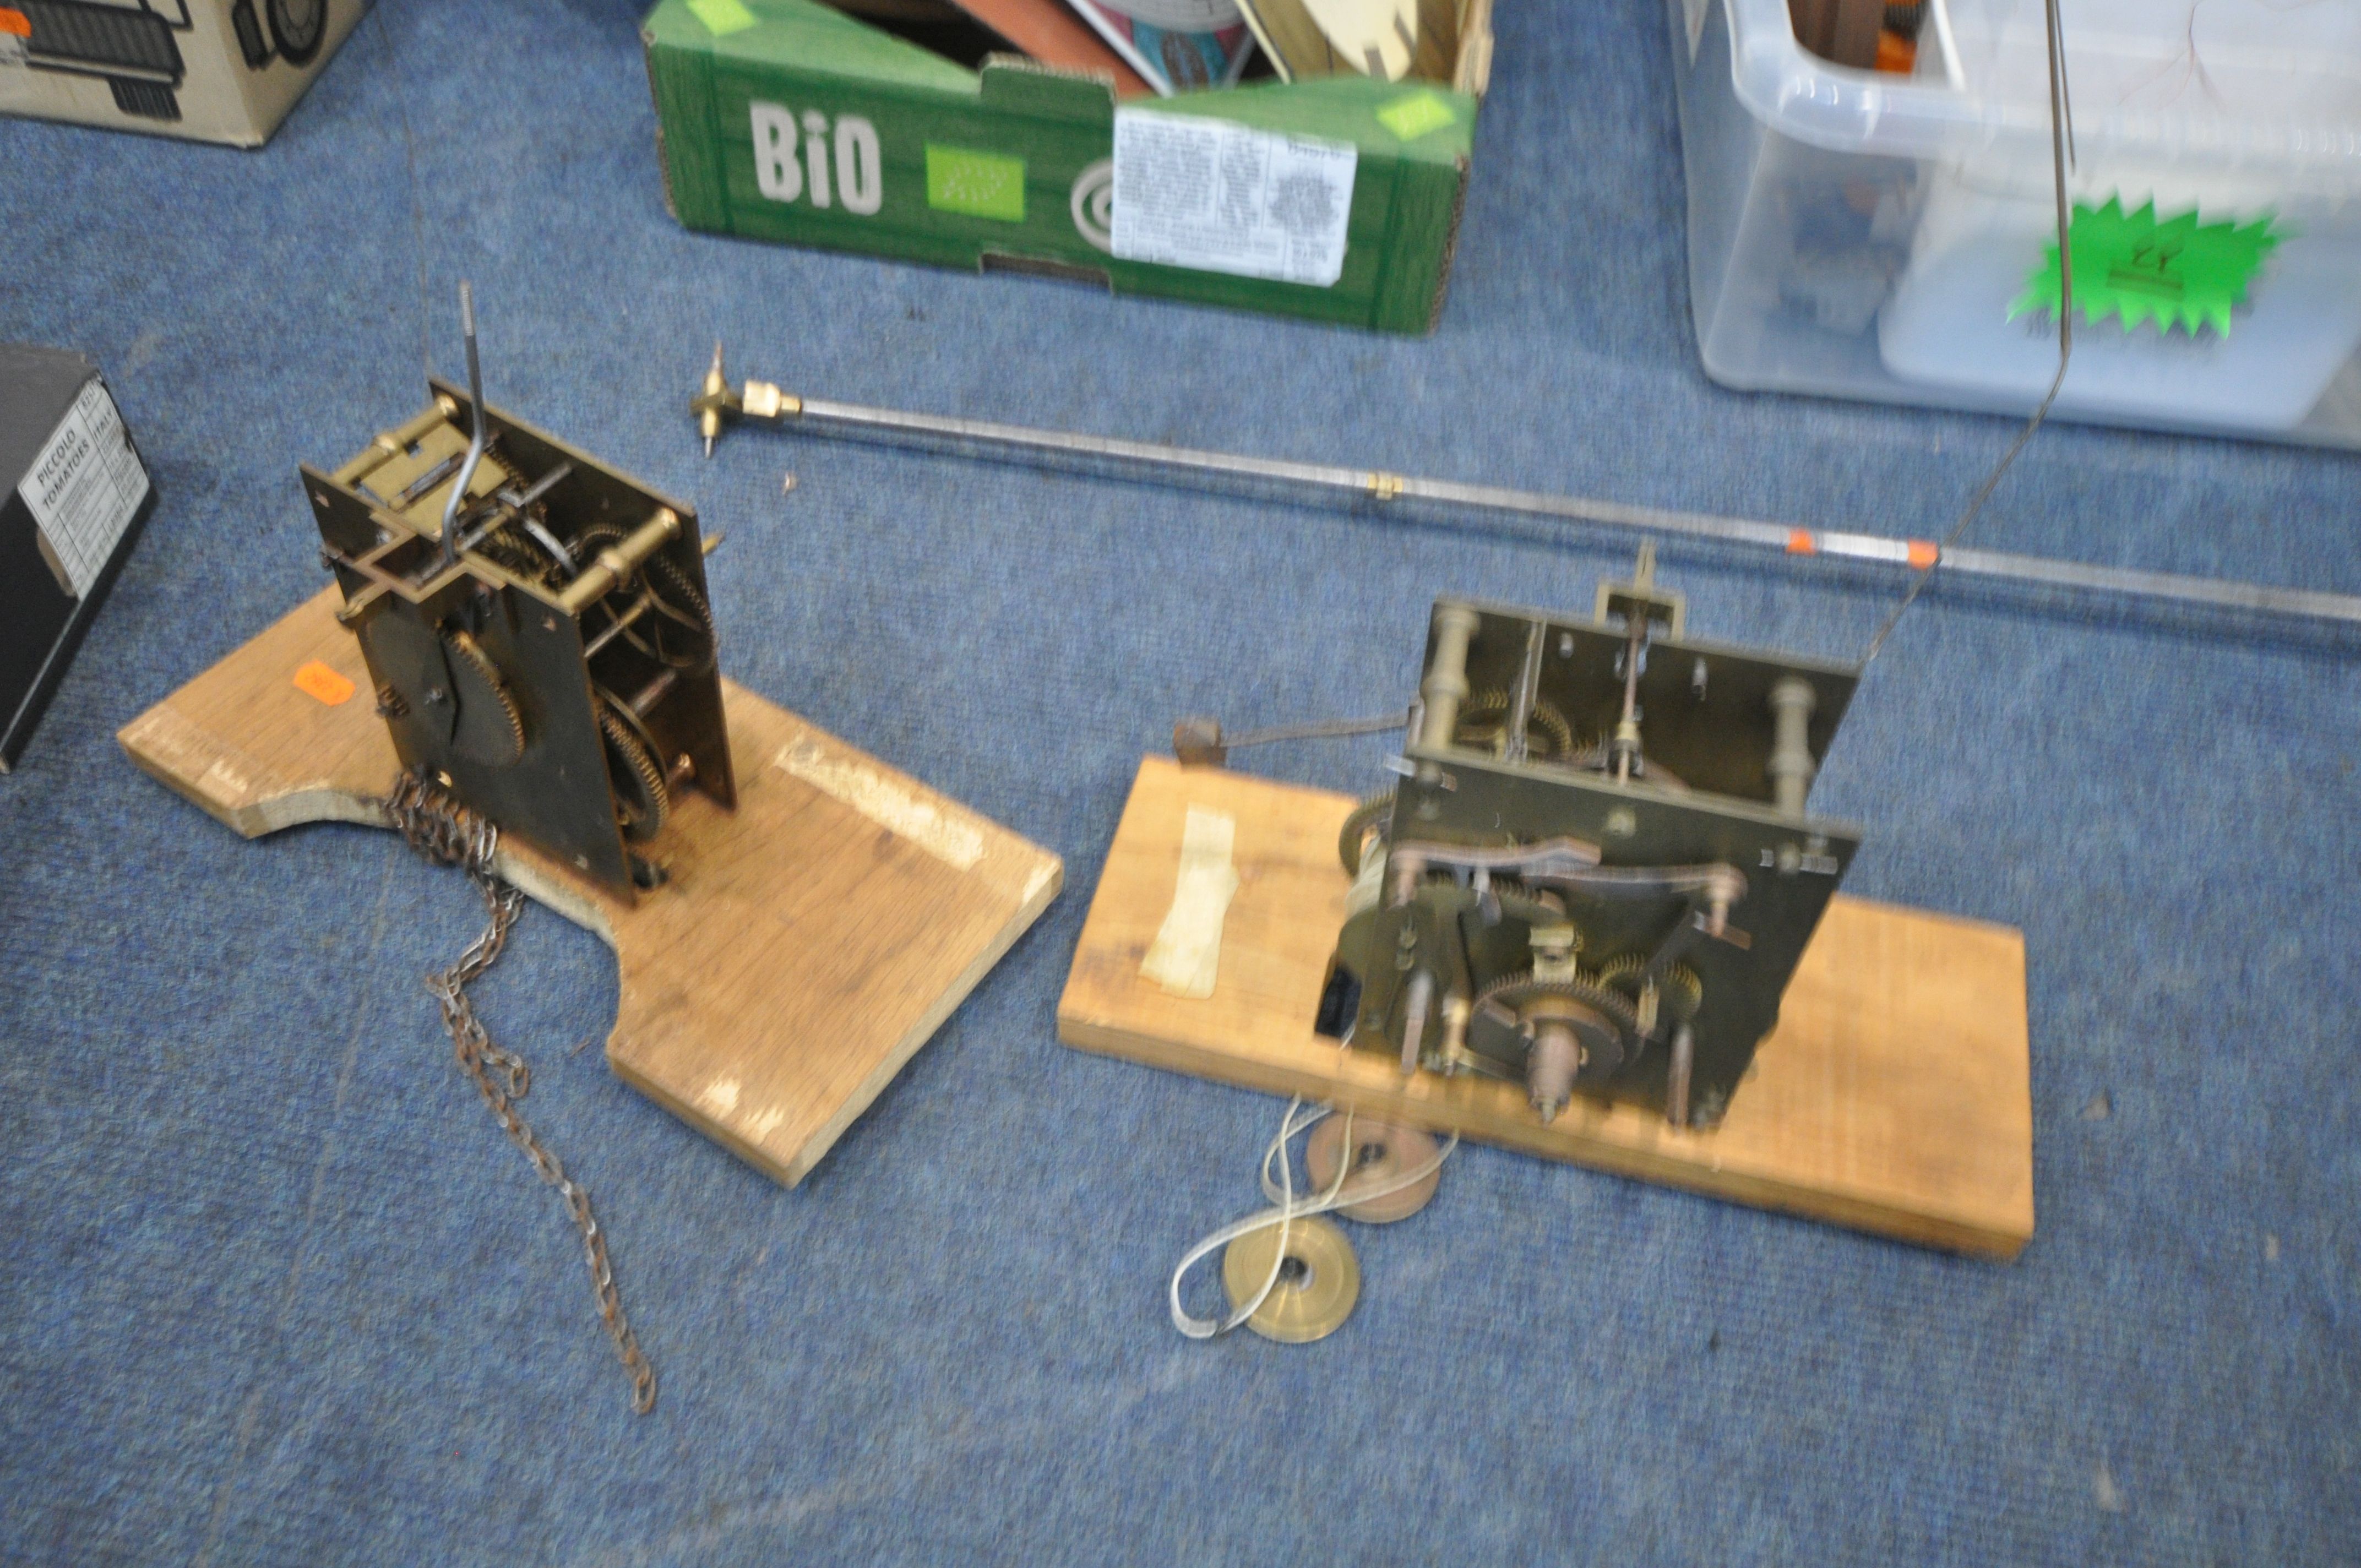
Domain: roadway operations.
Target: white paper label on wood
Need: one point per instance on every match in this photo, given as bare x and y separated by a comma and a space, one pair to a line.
1187, 953
1223, 198
84, 487
919, 816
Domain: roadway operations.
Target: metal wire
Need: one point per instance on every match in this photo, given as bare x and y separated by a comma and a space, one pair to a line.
1316, 730
2062, 137
1285, 1210
476, 441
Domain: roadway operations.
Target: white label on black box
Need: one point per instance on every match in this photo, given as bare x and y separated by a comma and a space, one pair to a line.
1223, 198
85, 487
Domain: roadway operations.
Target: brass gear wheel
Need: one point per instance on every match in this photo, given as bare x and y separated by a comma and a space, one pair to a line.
1534, 908
1680, 990
519, 552
488, 728
681, 593
586, 544
641, 801
1564, 1033
1493, 707
678, 594
585, 547
1519, 988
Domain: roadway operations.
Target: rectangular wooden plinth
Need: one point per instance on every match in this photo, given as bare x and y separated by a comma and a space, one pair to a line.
803, 947
1893, 1097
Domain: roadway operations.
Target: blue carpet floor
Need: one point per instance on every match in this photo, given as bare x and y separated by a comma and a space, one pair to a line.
274, 1290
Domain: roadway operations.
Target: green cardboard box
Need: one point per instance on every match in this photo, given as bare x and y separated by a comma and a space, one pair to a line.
1336, 199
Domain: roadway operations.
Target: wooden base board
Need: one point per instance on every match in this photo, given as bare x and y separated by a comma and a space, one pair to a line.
806, 945
1894, 1096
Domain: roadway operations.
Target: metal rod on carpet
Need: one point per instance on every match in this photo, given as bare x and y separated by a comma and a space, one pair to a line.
718, 404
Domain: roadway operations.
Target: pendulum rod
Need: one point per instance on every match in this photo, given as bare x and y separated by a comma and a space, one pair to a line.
1199, 468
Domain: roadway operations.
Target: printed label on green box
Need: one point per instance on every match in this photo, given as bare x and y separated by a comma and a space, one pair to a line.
723, 17
2178, 272
980, 184
1414, 115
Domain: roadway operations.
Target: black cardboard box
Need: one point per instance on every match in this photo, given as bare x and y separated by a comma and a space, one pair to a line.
77, 496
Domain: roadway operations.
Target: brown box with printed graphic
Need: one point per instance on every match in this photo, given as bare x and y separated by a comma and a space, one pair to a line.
222, 70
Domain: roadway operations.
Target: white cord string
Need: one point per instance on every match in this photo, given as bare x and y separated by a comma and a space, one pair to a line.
1284, 1212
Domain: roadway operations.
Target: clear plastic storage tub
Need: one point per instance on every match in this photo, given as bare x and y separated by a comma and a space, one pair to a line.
1877, 236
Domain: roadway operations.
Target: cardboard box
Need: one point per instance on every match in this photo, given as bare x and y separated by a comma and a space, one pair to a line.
1336, 199
76, 498
225, 71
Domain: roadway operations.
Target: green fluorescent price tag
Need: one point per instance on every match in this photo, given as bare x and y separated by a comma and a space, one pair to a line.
1412, 116
2177, 273
980, 184
722, 18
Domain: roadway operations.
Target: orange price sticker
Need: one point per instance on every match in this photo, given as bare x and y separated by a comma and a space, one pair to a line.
1801, 542
1925, 553
316, 680
15, 21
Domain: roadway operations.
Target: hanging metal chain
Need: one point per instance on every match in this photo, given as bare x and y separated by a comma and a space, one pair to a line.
449, 834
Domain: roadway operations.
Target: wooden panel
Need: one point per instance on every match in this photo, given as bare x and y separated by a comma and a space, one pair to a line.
804, 948
1894, 1096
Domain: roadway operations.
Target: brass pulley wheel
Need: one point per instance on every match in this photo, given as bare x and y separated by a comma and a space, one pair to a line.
1381, 1154
1318, 1280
